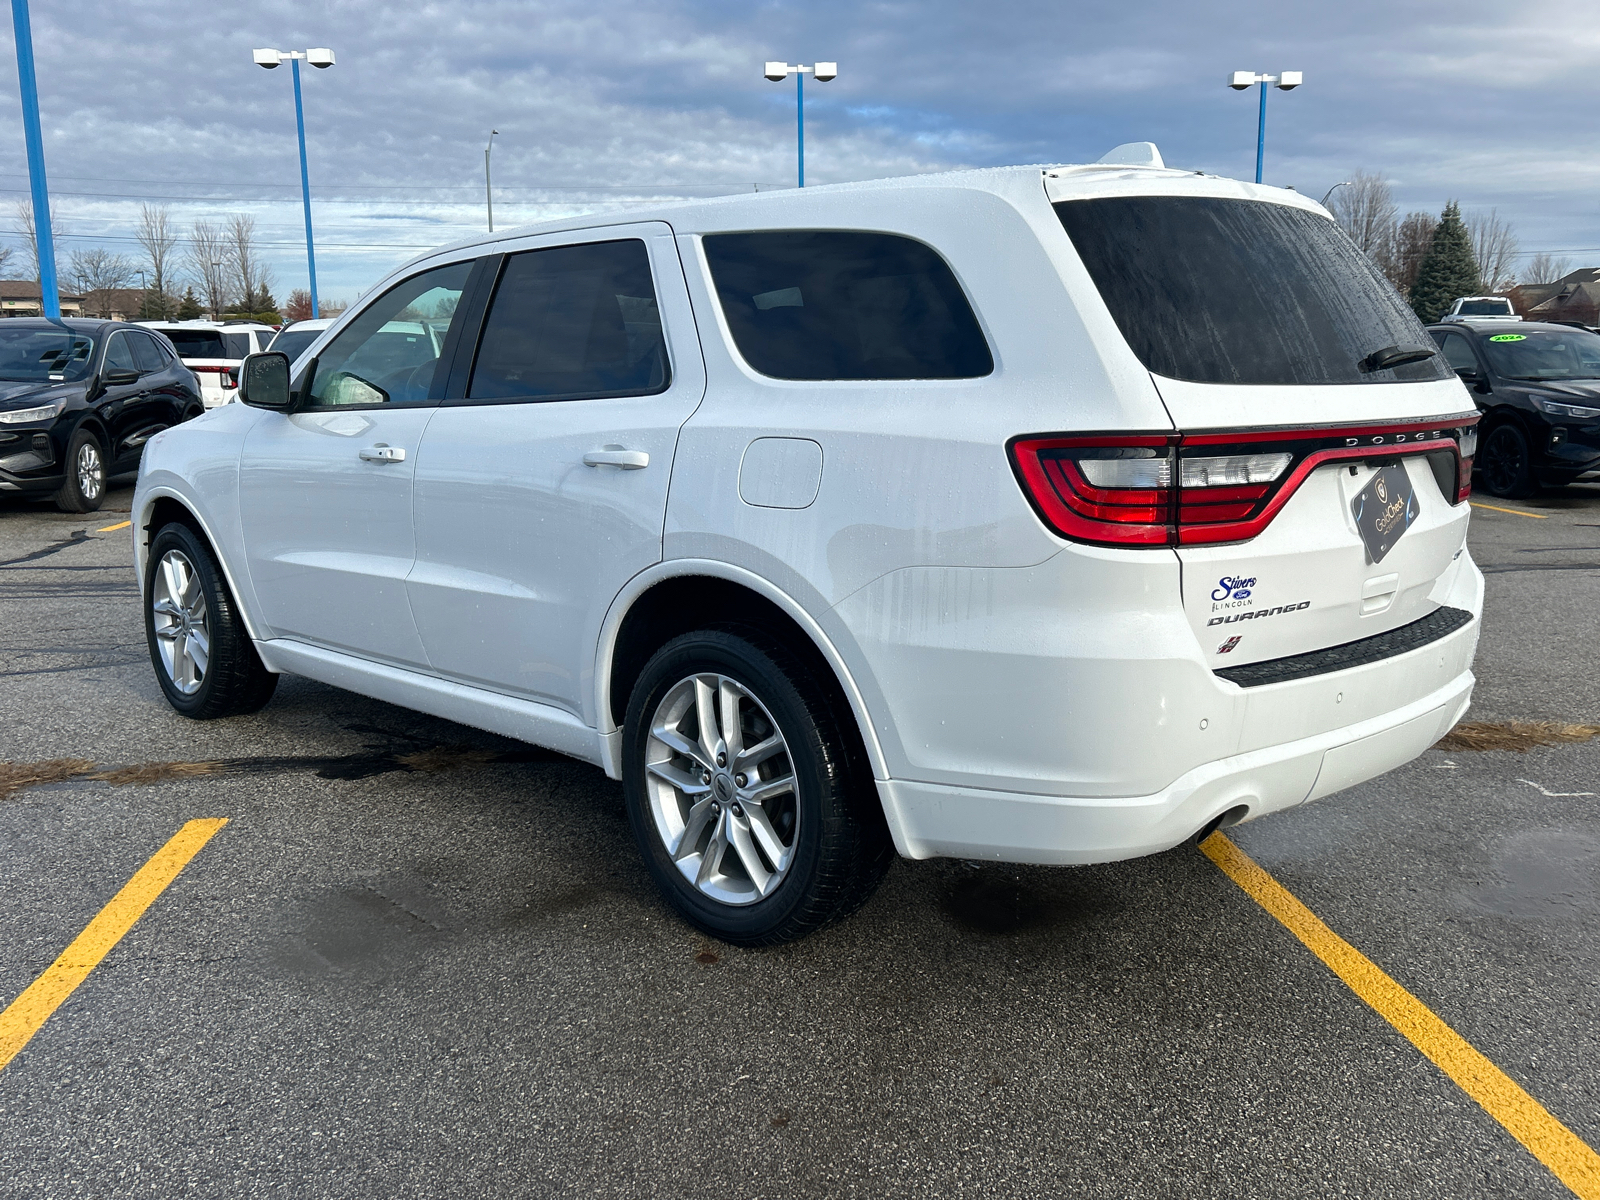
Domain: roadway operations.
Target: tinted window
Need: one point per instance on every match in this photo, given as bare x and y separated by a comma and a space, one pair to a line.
390, 353
293, 341
119, 354
1240, 291
572, 322
1457, 354
238, 344
197, 343
148, 352
1544, 354
1484, 308
37, 355
845, 306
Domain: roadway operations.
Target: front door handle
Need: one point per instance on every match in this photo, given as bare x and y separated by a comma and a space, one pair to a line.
383, 454
616, 456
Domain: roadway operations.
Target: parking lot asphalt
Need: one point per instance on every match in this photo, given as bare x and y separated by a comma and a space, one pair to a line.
420, 960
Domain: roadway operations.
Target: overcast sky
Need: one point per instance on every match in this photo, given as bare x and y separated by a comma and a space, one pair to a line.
609, 104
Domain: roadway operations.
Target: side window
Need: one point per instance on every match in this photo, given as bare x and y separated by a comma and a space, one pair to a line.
147, 351
820, 305
119, 354
1458, 354
390, 353
264, 338
572, 323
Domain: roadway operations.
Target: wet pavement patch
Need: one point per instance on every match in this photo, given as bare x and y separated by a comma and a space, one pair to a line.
1519, 736
1541, 874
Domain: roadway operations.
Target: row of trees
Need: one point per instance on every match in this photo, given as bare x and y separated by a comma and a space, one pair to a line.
213, 269
1434, 260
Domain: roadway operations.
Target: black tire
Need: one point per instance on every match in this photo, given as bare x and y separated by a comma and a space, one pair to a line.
840, 845
1505, 464
84, 488
233, 680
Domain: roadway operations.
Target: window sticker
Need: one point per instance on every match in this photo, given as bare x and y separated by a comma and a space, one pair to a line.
1509, 337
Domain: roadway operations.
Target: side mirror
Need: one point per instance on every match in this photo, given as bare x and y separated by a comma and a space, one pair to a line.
120, 375
1472, 378
264, 381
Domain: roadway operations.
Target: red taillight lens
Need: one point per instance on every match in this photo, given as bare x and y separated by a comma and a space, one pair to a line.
1187, 489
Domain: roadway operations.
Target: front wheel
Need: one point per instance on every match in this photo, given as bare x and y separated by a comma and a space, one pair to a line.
753, 816
85, 485
204, 659
1505, 464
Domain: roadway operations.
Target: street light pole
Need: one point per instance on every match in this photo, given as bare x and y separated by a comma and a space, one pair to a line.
44, 240
1241, 81
321, 58
779, 71
488, 195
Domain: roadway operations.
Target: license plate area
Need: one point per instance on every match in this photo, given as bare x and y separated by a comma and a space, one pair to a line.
1384, 509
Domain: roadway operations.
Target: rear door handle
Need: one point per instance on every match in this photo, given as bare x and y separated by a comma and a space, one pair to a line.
616, 456
383, 454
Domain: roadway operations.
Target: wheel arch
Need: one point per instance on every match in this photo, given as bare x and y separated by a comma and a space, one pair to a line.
686, 594
164, 506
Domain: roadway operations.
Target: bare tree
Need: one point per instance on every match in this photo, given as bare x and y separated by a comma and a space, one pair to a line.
5, 256
30, 235
208, 263
1545, 267
159, 239
94, 274
1494, 245
1367, 211
243, 262
1412, 239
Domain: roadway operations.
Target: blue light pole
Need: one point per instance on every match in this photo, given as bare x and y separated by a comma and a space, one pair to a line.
322, 58
49, 293
1243, 81
778, 72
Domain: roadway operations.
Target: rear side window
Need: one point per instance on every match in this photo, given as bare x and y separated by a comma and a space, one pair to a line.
823, 305
197, 343
1239, 291
572, 323
149, 352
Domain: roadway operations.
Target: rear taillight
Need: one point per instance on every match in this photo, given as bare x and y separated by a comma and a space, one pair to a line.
1119, 491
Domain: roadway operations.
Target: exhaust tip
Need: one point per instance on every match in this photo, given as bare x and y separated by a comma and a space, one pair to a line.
1222, 820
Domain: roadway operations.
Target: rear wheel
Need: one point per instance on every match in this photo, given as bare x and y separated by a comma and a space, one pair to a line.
749, 809
203, 656
1505, 464
85, 485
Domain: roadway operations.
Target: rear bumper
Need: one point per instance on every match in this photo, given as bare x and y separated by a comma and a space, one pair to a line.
936, 820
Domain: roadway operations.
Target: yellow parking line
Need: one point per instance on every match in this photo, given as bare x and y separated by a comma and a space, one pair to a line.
45, 994
1569, 1158
1514, 511
114, 528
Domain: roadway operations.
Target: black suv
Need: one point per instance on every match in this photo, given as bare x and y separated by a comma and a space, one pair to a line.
78, 401
1538, 386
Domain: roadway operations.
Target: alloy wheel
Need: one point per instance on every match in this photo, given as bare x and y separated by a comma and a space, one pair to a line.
722, 789
182, 622
91, 471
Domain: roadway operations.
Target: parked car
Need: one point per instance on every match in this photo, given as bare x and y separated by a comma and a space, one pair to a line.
938, 515
79, 400
1538, 387
293, 340
213, 351
1480, 308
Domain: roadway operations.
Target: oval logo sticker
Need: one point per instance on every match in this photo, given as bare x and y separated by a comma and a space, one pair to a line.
1509, 337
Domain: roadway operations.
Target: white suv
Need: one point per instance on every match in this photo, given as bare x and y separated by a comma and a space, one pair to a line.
1042, 515
213, 351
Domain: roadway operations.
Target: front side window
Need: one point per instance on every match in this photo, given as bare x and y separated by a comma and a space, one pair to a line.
292, 341
1545, 354
817, 305
572, 323
390, 353
148, 352
1214, 290
43, 355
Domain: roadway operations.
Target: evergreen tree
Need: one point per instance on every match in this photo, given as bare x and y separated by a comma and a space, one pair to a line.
189, 309
1448, 271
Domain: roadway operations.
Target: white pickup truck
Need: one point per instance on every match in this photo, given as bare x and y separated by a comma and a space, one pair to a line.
1481, 308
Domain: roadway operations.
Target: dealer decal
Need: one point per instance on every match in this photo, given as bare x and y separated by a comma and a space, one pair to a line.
1509, 337
1264, 612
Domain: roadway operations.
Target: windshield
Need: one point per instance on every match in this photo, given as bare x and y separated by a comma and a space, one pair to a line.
1218, 290
292, 341
44, 355
1484, 308
1545, 354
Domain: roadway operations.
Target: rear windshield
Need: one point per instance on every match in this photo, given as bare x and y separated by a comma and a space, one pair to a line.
198, 343
1484, 308
819, 305
1239, 291
238, 344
